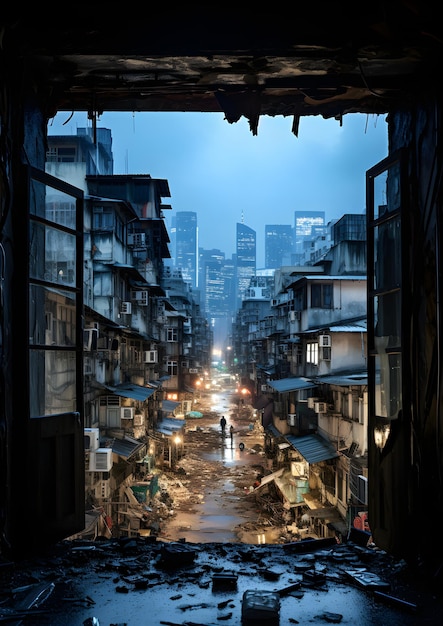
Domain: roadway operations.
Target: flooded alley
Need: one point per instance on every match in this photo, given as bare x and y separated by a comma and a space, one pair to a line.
211, 489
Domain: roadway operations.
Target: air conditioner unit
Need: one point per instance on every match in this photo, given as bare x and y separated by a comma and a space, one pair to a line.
100, 460
102, 489
264, 387
92, 438
139, 419
127, 412
311, 402
150, 356
292, 419
320, 407
293, 316
324, 341
90, 338
187, 406
162, 319
193, 370
136, 239
140, 297
126, 308
362, 489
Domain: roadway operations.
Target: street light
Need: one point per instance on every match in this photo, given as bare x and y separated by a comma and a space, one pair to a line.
198, 386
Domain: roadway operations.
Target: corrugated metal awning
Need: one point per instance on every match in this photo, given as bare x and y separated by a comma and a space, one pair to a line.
126, 447
284, 385
170, 425
313, 448
270, 477
169, 405
345, 380
135, 392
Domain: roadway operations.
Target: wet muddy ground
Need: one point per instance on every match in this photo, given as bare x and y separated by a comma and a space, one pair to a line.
211, 499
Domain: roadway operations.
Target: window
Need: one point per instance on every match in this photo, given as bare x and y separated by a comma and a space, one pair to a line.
312, 353
321, 296
171, 335
103, 219
58, 154
325, 354
172, 367
385, 307
55, 296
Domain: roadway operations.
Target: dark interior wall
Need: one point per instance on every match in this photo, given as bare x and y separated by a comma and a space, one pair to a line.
405, 479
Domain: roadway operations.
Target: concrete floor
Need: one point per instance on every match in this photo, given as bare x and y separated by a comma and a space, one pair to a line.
139, 582
149, 581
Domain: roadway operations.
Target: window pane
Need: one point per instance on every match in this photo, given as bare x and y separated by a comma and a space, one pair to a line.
387, 255
327, 296
387, 321
387, 197
51, 254
316, 296
53, 205
52, 382
51, 317
388, 385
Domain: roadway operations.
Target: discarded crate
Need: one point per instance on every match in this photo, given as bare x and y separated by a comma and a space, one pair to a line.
313, 578
176, 555
260, 607
224, 580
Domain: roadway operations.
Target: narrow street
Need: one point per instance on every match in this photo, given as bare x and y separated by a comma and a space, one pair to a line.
211, 488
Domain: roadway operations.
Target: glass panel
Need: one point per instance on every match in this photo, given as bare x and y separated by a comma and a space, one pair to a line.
387, 197
387, 321
387, 255
52, 382
52, 254
388, 402
53, 205
51, 317
55, 296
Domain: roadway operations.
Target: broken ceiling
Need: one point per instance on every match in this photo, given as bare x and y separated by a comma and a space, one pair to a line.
320, 58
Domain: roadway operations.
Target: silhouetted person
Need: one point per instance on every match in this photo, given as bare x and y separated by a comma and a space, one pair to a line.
223, 424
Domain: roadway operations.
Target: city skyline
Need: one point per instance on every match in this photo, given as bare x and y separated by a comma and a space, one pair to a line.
227, 175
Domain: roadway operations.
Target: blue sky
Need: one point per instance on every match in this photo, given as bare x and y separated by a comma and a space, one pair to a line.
225, 174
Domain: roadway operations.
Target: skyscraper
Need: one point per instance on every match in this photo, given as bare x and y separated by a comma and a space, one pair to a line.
307, 225
246, 254
278, 245
186, 245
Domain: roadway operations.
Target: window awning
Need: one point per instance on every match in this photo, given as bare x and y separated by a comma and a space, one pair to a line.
313, 448
345, 380
126, 448
284, 385
270, 477
135, 392
169, 405
169, 426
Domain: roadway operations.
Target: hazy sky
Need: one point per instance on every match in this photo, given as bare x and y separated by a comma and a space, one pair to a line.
227, 175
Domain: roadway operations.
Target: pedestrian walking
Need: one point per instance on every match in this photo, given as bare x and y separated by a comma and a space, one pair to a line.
223, 424
231, 431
